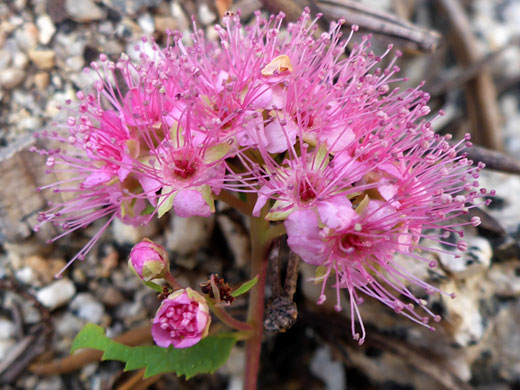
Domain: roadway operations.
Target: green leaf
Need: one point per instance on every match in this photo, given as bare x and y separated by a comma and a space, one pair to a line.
245, 287
205, 357
154, 286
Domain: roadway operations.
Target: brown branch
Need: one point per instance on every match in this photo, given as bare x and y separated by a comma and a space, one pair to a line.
480, 91
274, 269
291, 277
145, 383
281, 311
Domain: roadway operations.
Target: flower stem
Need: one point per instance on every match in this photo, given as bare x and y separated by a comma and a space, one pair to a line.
234, 202
260, 243
172, 281
275, 231
227, 319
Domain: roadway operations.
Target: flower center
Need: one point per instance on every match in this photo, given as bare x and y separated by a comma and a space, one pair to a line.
351, 242
307, 192
305, 119
180, 320
184, 168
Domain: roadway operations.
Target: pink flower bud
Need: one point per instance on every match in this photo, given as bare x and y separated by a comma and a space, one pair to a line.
149, 260
182, 320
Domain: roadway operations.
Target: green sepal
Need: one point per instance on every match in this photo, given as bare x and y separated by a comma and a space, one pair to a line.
166, 200
207, 195
216, 152
279, 211
321, 272
148, 210
176, 136
322, 158
153, 286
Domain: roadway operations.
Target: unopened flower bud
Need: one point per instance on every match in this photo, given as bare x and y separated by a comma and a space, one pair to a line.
149, 260
182, 320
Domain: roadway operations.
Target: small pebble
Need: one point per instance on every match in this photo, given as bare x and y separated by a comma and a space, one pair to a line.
46, 29
11, 77
43, 59
41, 80
88, 308
56, 294
27, 36
84, 10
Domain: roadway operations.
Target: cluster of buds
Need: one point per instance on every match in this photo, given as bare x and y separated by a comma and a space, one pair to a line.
347, 162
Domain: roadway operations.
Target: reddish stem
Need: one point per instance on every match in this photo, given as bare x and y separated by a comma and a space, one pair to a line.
260, 245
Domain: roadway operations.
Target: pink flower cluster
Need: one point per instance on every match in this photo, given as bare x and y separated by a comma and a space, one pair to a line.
346, 160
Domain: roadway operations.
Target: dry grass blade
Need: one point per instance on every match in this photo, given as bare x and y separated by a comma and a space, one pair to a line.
380, 22
487, 222
294, 8
480, 91
465, 75
494, 160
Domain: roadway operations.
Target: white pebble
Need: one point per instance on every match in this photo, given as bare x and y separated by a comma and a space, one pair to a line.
56, 294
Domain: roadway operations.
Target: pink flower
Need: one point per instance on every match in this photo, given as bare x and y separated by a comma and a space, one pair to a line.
356, 240
348, 162
130, 156
362, 177
182, 320
148, 260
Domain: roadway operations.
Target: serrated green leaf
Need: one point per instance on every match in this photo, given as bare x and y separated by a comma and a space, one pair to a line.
205, 357
245, 287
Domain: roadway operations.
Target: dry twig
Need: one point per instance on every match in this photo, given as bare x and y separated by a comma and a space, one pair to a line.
480, 91
281, 311
33, 343
380, 22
